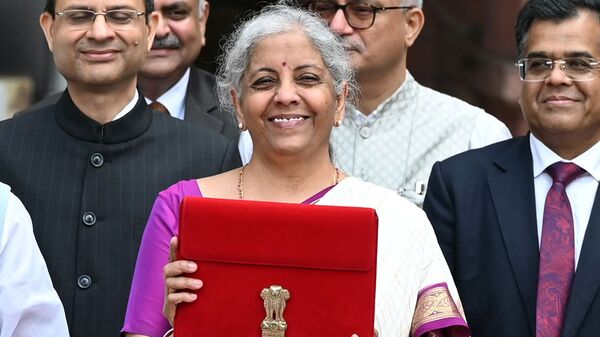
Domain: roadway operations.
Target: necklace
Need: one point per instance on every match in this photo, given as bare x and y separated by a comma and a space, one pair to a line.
240, 184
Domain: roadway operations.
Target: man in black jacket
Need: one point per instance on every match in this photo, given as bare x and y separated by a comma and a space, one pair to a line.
89, 166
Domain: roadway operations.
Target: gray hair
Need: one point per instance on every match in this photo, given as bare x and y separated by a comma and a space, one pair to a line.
274, 20
416, 3
201, 7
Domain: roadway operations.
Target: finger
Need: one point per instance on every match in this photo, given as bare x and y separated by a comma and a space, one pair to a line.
182, 283
354, 335
173, 246
179, 268
181, 297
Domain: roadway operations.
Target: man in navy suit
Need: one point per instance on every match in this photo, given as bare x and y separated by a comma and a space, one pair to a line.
523, 243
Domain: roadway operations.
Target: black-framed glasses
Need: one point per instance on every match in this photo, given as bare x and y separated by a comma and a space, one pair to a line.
538, 69
83, 18
358, 15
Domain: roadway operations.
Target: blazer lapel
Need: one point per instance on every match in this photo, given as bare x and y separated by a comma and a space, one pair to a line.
511, 186
198, 102
587, 276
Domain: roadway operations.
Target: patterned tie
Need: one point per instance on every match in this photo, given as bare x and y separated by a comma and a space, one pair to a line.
557, 252
158, 106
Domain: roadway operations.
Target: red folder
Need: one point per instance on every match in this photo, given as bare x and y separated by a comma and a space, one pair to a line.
323, 256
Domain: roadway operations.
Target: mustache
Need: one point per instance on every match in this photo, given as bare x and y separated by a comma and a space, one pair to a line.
168, 42
353, 46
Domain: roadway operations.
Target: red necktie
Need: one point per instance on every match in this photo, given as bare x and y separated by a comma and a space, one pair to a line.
158, 106
557, 252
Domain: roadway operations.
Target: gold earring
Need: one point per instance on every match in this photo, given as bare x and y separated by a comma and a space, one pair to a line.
338, 123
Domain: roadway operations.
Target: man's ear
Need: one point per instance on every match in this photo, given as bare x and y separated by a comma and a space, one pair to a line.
152, 25
415, 20
47, 24
202, 23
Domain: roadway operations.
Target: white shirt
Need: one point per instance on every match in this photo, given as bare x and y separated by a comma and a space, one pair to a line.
128, 107
581, 191
174, 98
29, 305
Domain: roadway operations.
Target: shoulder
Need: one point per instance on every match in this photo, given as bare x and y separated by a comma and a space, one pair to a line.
202, 87
200, 75
166, 124
448, 104
485, 155
45, 102
36, 114
176, 192
466, 169
386, 201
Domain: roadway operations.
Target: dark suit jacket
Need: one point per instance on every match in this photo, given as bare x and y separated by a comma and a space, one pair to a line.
481, 204
89, 189
201, 105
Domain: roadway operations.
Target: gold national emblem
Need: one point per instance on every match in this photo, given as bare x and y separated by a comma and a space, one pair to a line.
274, 301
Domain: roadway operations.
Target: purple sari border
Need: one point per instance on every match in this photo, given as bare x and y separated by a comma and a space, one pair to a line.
441, 284
460, 328
317, 196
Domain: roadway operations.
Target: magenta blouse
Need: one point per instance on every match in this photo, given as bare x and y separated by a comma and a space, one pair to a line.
146, 298
144, 309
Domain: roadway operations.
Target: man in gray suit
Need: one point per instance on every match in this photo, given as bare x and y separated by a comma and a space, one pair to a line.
168, 75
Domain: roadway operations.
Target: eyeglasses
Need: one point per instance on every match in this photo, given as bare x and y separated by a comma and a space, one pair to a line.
539, 69
358, 15
117, 18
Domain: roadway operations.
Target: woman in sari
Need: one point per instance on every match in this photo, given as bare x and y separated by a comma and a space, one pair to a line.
287, 78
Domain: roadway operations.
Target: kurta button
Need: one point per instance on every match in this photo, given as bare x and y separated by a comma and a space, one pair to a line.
364, 175
364, 132
97, 160
84, 281
89, 218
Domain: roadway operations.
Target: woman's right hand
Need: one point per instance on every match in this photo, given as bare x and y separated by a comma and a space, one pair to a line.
177, 286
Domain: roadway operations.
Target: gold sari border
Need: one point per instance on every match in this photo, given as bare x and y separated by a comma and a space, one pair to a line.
437, 315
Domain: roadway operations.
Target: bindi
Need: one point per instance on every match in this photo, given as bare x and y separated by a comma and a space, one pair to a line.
284, 63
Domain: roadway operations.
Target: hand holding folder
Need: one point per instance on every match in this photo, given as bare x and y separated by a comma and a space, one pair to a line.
313, 265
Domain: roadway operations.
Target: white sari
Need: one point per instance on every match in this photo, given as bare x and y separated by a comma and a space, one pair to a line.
415, 294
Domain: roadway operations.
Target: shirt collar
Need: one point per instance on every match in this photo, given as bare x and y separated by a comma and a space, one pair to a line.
128, 107
543, 157
399, 94
174, 98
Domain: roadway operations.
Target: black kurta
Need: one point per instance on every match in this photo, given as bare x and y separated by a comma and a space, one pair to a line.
90, 188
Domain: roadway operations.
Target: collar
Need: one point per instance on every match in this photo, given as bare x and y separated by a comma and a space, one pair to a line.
77, 124
543, 157
128, 107
401, 98
174, 98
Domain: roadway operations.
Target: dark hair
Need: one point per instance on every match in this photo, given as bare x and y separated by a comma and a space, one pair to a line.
51, 7
552, 10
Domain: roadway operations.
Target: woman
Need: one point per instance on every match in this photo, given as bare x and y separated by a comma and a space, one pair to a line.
288, 77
